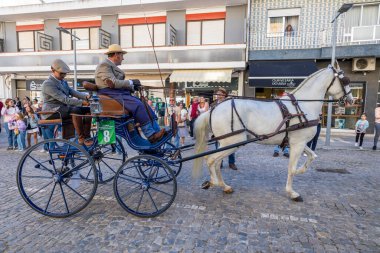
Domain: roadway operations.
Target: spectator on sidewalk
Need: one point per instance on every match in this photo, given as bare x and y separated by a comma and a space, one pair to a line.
194, 113
312, 144
20, 131
9, 111
377, 127
18, 103
360, 128
172, 109
31, 125
1, 107
182, 126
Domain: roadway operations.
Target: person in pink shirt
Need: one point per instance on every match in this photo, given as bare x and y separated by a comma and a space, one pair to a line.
194, 113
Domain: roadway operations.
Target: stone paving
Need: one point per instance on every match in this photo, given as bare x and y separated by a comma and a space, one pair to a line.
340, 212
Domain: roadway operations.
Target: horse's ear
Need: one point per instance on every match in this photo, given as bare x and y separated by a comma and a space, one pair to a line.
337, 65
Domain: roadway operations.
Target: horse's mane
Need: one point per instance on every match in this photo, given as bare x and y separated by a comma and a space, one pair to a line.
307, 79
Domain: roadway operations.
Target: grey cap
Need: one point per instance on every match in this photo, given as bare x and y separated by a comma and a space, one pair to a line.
60, 66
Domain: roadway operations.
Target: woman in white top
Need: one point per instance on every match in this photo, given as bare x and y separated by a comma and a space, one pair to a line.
9, 112
182, 127
203, 105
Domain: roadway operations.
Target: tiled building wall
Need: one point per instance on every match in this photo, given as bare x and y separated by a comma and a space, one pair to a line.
314, 28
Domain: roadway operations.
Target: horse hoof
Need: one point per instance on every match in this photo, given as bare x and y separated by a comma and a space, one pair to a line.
298, 199
206, 185
228, 191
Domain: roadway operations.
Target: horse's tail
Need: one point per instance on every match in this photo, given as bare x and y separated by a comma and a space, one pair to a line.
201, 126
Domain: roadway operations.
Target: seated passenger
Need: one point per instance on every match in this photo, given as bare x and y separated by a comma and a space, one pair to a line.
58, 96
110, 82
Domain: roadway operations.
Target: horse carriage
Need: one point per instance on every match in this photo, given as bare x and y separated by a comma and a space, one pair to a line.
63, 180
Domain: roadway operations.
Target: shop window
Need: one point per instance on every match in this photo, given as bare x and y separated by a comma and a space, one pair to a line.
205, 32
26, 41
140, 36
345, 117
283, 22
89, 38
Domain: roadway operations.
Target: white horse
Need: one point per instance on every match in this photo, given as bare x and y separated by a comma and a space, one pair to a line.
263, 118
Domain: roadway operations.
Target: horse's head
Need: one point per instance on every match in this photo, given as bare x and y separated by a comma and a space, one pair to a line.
339, 87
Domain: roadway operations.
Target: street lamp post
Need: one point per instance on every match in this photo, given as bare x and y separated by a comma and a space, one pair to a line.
74, 38
344, 8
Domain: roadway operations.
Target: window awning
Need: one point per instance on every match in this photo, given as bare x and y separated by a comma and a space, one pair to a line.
279, 74
201, 75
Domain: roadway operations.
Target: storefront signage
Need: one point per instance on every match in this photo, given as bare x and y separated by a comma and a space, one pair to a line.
34, 85
284, 82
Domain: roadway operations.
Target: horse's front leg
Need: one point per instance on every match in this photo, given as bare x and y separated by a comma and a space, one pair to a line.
310, 157
295, 153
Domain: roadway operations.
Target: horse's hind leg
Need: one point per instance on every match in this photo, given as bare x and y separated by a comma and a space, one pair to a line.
226, 188
211, 163
295, 153
310, 157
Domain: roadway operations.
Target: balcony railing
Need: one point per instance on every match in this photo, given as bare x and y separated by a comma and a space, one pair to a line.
314, 39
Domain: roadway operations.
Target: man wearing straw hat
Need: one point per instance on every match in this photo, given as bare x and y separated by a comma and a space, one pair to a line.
110, 81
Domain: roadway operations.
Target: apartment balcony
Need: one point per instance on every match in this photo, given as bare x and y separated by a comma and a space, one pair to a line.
361, 35
137, 59
360, 41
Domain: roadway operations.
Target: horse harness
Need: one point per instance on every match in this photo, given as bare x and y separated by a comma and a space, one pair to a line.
286, 117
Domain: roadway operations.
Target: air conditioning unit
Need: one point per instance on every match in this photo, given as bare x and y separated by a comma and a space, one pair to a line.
364, 64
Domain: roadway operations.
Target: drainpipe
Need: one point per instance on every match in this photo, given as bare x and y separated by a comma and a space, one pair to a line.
247, 38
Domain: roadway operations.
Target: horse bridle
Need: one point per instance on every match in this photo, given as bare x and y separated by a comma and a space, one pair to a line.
344, 81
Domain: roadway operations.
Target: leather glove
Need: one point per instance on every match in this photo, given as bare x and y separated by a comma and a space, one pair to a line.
136, 84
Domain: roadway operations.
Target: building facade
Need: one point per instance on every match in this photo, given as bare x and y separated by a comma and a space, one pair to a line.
290, 39
191, 40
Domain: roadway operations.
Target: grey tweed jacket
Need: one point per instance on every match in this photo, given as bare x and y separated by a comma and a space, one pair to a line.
108, 70
56, 93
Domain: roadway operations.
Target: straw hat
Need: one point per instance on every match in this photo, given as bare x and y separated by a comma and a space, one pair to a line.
223, 91
60, 66
115, 48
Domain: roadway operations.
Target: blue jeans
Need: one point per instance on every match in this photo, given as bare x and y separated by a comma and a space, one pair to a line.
277, 149
48, 133
149, 129
313, 143
21, 140
231, 158
11, 136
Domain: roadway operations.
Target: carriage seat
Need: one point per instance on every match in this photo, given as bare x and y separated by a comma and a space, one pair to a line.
66, 125
110, 106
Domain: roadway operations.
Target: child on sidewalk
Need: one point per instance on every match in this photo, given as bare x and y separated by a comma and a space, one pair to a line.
20, 131
360, 128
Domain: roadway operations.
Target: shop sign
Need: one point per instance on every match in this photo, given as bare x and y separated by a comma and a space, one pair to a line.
284, 82
34, 85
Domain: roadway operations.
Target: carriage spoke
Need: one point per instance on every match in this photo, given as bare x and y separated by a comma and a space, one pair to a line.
41, 165
75, 191
42, 177
76, 168
160, 191
131, 191
64, 198
43, 187
130, 180
141, 197
154, 203
51, 195
108, 166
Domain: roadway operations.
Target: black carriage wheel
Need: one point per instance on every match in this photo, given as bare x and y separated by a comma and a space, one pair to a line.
49, 182
107, 158
143, 194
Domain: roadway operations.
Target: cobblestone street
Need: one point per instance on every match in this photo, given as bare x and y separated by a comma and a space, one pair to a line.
340, 212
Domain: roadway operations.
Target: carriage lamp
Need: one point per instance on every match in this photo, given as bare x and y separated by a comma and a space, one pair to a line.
95, 106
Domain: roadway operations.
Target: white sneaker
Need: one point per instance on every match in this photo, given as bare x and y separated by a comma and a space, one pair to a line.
360, 147
356, 144
304, 154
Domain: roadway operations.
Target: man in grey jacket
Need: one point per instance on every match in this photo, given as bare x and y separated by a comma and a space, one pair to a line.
59, 97
110, 81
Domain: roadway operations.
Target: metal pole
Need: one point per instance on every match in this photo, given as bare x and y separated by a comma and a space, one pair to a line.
75, 59
329, 107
